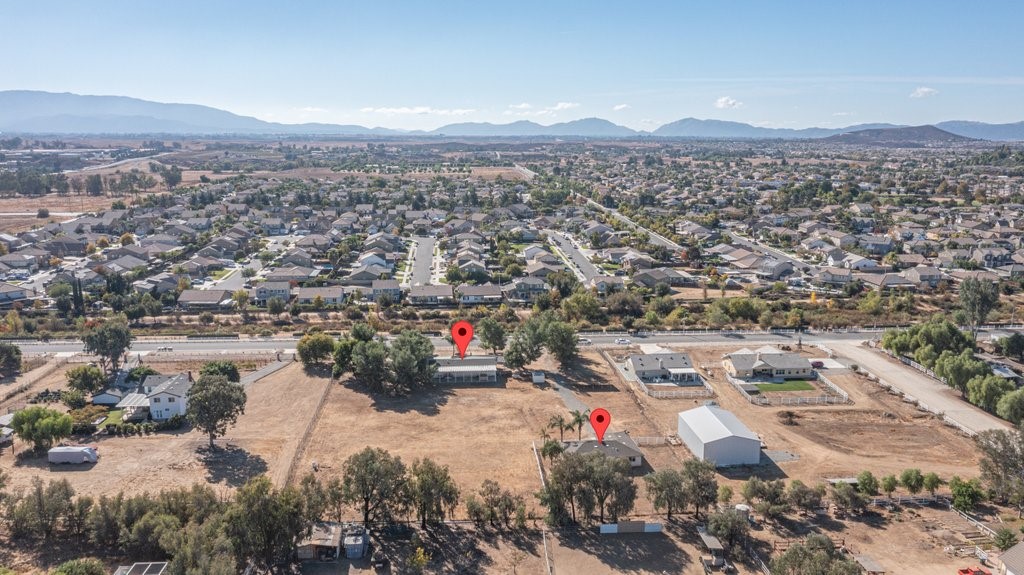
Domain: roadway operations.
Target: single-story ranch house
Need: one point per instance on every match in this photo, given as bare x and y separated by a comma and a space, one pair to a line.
663, 367
470, 369
766, 362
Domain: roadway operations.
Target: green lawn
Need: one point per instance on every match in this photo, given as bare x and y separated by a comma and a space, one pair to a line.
218, 274
791, 385
113, 417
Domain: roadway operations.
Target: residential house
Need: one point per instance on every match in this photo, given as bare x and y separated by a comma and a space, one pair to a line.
440, 294
159, 397
767, 362
292, 274
605, 284
386, 288
525, 289
212, 299
10, 293
663, 367
924, 276
271, 289
479, 294
616, 444
329, 295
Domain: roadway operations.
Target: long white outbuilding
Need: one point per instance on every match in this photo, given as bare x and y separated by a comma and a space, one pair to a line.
714, 434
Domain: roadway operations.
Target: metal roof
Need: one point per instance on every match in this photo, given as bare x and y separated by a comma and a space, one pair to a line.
713, 423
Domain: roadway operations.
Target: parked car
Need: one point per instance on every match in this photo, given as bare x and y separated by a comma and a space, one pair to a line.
585, 341
817, 364
622, 341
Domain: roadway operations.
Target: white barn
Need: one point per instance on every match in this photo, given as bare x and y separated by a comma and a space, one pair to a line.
714, 434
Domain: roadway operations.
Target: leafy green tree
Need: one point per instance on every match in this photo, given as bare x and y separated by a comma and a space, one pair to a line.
560, 339
412, 362
986, 391
226, 368
370, 364
665, 490
148, 531
848, 498
559, 422
613, 490
1002, 464
264, 524
867, 483
313, 348
730, 526
804, 497
214, 403
87, 566
889, 485
931, 482
912, 480
491, 333
521, 350
958, 370
1005, 538
376, 483
1012, 346
977, 299
86, 378
1011, 407
816, 555
362, 332
10, 359
432, 491
41, 426
700, 484
109, 341
551, 449
966, 494
275, 306
343, 354
140, 373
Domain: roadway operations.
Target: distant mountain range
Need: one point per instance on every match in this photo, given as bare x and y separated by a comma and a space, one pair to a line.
903, 136
34, 112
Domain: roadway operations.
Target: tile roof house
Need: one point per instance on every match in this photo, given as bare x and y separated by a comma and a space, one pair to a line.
663, 367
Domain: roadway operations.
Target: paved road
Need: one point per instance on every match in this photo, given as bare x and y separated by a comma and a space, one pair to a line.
234, 281
583, 265
287, 344
920, 386
656, 238
422, 261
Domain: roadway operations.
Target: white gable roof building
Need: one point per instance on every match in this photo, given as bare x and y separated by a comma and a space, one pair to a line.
714, 434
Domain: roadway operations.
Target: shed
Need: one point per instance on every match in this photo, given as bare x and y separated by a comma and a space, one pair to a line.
1013, 560
322, 544
714, 434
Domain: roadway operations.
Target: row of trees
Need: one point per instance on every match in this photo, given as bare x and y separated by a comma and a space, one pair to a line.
939, 345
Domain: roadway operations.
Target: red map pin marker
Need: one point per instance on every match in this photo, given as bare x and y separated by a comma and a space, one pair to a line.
600, 419
462, 334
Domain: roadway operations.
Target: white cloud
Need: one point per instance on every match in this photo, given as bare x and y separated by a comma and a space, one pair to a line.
621, 107
418, 111
923, 92
727, 103
525, 110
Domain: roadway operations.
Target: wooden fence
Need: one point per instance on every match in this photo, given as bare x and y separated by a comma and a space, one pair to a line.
835, 397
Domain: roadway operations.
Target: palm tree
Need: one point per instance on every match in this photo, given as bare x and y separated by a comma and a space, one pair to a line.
579, 418
559, 422
551, 449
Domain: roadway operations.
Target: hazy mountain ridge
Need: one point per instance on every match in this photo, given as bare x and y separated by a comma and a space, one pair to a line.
26, 111
904, 136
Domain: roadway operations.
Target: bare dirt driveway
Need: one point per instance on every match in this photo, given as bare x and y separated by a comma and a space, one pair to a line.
922, 387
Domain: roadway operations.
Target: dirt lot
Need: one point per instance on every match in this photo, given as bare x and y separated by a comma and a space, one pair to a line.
479, 432
264, 441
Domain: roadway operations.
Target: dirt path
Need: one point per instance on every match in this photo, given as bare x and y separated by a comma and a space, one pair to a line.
921, 387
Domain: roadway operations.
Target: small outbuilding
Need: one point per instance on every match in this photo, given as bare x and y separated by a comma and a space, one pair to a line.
322, 544
714, 434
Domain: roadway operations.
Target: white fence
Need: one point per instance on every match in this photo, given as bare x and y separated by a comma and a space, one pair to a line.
835, 395
703, 391
651, 441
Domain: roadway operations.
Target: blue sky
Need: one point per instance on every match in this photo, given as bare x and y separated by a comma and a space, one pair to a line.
427, 63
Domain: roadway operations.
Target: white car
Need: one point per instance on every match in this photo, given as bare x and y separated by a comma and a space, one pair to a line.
623, 341
585, 341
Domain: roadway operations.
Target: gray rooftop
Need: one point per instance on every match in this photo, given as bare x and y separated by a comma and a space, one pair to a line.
714, 423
